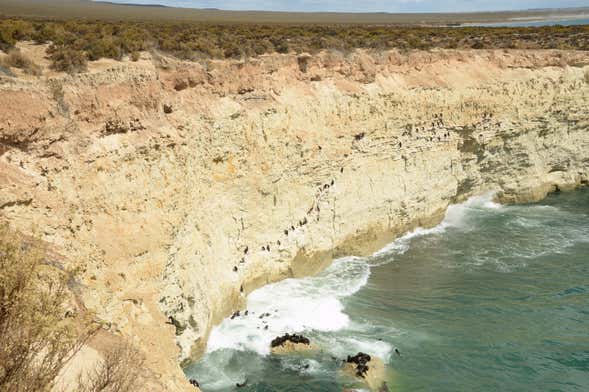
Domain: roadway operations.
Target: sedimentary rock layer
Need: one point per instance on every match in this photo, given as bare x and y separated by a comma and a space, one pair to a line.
179, 187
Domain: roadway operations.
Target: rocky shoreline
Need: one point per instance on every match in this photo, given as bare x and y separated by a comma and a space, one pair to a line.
181, 187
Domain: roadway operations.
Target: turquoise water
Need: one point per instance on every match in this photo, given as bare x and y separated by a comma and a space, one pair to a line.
538, 23
496, 298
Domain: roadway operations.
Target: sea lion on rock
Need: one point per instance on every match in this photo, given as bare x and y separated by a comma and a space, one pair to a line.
360, 360
194, 383
366, 368
290, 343
241, 385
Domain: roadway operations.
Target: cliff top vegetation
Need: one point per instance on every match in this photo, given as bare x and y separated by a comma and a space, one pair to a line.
74, 42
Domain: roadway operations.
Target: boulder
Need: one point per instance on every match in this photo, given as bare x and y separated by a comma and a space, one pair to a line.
290, 343
366, 368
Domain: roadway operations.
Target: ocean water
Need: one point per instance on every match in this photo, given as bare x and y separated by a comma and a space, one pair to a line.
495, 298
537, 23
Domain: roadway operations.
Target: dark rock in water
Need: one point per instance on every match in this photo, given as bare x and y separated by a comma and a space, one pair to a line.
279, 341
360, 360
241, 385
397, 352
194, 383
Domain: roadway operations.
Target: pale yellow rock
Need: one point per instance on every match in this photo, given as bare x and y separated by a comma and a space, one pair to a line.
158, 208
290, 347
375, 377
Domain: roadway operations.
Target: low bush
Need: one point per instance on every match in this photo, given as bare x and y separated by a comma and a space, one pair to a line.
36, 339
119, 371
39, 331
74, 41
16, 59
66, 59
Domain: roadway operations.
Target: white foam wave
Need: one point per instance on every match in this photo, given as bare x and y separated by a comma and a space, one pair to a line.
306, 366
293, 305
315, 303
456, 216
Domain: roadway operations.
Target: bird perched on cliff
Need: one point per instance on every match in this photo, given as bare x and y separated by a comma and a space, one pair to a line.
235, 268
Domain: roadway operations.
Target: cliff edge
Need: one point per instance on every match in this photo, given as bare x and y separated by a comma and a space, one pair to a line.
179, 187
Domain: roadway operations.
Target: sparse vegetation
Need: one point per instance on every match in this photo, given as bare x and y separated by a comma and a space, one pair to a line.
119, 371
16, 59
75, 42
36, 338
67, 59
40, 330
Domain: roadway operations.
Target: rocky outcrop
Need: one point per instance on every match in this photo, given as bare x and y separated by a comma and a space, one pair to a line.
263, 170
290, 343
368, 369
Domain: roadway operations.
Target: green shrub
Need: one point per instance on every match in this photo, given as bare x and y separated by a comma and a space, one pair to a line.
67, 60
98, 39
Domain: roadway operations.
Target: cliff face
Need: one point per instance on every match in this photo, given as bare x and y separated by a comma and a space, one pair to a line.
165, 182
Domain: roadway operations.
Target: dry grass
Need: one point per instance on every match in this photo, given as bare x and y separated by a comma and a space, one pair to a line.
16, 59
36, 338
39, 330
119, 371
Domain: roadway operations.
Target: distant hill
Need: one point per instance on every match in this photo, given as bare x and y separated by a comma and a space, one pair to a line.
134, 4
63, 9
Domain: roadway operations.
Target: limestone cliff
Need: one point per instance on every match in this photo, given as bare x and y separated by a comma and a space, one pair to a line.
179, 187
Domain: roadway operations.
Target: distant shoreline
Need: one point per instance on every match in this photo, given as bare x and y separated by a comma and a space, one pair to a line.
109, 10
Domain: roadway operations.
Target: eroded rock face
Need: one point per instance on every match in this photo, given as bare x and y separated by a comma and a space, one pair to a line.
297, 167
